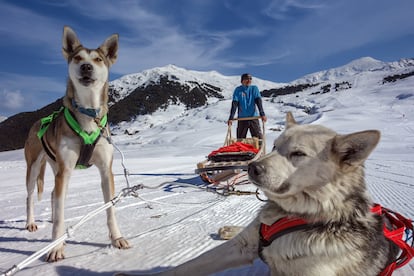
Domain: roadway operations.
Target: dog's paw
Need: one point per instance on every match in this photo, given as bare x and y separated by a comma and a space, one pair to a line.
32, 227
228, 232
121, 243
55, 254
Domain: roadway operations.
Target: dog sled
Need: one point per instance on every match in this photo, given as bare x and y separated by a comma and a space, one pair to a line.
233, 158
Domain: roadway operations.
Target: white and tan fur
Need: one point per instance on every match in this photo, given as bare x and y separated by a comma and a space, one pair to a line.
88, 86
318, 175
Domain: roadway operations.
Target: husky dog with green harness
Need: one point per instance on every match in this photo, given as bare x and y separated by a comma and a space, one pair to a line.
76, 136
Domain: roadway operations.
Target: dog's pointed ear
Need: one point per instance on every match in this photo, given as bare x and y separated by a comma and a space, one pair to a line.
290, 121
110, 48
353, 149
70, 42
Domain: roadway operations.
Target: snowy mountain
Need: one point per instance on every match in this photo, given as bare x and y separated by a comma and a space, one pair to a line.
360, 66
123, 86
163, 87
169, 225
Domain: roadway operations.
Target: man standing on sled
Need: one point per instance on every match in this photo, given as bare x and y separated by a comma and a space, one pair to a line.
245, 99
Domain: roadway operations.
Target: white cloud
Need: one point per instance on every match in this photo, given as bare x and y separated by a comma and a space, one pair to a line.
149, 39
11, 100
23, 26
283, 9
25, 92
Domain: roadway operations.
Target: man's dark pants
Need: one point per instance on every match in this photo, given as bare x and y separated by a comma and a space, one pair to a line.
252, 125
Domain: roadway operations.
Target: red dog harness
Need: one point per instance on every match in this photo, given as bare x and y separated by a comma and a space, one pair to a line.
401, 227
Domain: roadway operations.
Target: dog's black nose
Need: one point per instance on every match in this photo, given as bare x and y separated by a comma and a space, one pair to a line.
256, 169
86, 68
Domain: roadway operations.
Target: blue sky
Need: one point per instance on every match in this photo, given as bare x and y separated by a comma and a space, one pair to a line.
279, 40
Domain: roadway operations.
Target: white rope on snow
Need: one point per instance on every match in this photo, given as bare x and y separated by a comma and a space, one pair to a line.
70, 230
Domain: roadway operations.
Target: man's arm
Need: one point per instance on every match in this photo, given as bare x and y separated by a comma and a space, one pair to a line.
234, 105
259, 104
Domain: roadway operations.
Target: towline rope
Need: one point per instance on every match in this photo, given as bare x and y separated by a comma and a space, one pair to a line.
70, 230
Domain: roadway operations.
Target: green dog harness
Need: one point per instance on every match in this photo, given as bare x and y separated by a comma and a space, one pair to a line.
89, 139
45, 122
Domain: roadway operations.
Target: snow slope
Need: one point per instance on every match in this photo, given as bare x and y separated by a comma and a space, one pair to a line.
170, 225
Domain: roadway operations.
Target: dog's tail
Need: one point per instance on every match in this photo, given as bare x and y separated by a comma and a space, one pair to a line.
40, 180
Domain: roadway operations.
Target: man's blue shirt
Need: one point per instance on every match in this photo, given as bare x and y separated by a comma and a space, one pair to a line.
246, 96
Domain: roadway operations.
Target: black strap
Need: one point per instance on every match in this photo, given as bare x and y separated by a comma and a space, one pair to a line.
47, 149
266, 242
85, 154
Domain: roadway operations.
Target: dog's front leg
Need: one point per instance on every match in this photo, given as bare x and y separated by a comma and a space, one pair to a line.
108, 189
34, 174
58, 206
239, 251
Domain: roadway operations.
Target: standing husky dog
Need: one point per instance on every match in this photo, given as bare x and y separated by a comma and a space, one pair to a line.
316, 176
72, 136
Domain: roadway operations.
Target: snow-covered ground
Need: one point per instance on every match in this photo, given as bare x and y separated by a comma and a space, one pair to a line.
169, 225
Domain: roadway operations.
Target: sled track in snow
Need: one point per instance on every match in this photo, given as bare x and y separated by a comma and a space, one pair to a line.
179, 239
391, 184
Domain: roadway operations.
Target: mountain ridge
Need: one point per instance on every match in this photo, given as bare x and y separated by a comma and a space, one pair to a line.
141, 96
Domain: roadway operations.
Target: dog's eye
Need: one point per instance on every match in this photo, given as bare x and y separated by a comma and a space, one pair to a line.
297, 153
77, 58
98, 59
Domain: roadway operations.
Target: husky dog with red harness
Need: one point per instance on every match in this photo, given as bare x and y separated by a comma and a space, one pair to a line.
75, 136
319, 218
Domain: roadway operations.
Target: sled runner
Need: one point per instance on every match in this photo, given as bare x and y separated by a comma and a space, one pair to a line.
233, 158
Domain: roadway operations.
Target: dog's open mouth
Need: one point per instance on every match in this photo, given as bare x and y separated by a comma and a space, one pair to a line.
86, 80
